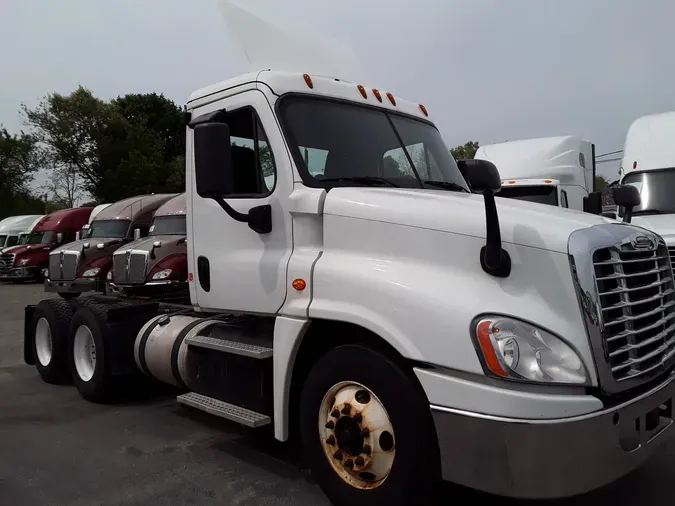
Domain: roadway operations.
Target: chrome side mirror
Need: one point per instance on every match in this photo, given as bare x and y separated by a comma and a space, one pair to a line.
137, 234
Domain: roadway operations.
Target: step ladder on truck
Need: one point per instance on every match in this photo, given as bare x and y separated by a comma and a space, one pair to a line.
347, 290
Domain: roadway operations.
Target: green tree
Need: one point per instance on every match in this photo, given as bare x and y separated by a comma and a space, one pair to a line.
465, 151
20, 158
600, 183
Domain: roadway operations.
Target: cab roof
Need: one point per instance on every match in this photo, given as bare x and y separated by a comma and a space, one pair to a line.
281, 83
133, 207
175, 206
64, 218
649, 143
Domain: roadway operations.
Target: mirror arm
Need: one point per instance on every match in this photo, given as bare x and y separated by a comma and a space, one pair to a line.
233, 213
493, 259
628, 214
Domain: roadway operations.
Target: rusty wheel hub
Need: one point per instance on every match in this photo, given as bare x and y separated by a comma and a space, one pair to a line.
356, 435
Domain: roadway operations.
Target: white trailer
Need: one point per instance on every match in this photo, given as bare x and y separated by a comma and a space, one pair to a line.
558, 171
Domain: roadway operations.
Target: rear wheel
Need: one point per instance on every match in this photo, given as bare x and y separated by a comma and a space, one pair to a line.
51, 321
90, 371
367, 430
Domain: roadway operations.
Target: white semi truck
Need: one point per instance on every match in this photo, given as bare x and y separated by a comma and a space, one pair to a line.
648, 163
558, 171
347, 289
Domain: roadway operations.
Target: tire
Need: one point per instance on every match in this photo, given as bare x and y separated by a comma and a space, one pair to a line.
50, 342
68, 295
92, 376
411, 446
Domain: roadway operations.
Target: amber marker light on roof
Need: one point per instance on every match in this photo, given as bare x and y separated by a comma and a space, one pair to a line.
391, 98
424, 110
308, 80
377, 95
362, 90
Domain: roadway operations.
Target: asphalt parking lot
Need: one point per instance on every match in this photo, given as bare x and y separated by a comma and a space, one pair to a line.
56, 448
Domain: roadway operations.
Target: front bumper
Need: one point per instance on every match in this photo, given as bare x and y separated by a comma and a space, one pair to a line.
21, 274
78, 285
545, 459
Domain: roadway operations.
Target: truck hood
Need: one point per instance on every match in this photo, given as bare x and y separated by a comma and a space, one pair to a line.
169, 242
523, 223
662, 224
107, 242
24, 248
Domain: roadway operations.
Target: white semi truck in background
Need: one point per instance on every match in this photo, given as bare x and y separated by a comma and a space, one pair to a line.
558, 171
648, 163
398, 326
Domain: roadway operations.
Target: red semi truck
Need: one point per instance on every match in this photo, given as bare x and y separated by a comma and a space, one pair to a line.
26, 262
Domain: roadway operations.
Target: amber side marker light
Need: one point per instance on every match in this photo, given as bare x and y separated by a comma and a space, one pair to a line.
391, 98
363, 91
491, 360
377, 94
308, 80
299, 284
512, 182
424, 110
548, 181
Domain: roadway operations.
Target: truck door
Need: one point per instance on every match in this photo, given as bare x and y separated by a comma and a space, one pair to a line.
233, 267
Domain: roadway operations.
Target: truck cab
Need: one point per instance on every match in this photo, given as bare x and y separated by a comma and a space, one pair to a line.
28, 261
85, 228
349, 290
82, 265
156, 264
557, 171
14, 228
648, 163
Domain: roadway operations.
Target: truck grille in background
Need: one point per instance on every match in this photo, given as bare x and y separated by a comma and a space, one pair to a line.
120, 268
671, 252
137, 263
137, 267
69, 264
637, 306
55, 266
6, 263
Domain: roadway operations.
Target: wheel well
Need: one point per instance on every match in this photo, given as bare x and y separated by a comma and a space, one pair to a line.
322, 336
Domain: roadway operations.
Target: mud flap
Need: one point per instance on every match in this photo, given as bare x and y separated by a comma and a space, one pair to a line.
28, 334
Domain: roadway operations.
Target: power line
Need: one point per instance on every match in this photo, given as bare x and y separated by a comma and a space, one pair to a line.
610, 153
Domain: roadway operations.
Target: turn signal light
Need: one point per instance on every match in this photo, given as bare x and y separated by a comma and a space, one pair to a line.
299, 284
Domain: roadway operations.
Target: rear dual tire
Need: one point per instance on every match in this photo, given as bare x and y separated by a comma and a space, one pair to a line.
51, 323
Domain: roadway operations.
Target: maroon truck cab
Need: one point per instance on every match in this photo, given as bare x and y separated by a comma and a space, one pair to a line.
29, 261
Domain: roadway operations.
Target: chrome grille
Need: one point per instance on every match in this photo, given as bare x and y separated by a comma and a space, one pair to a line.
671, 253
55, 266
6, 263
120, 268
137, 263
636, 307
69, 264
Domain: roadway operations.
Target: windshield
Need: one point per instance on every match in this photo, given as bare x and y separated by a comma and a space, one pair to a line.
335, 143
169, 225
3, 238
23, 238
539, 194
109, 228
656, 191
46, 237
12, 240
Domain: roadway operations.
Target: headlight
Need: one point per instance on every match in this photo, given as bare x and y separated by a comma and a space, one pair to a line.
91, 272
162, 274
109, 276
520, 351
23, 261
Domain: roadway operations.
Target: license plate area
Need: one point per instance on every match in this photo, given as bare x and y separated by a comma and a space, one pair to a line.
638, 431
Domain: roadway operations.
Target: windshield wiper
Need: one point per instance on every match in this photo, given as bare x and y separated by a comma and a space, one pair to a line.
372, 180
447, 185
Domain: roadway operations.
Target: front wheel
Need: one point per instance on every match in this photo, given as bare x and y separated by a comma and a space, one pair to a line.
367, 430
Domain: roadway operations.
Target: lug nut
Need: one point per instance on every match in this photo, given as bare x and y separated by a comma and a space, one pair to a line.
366, 449
365, 432
349, 463
330, 440
335, 413
330, 425
359, 461
338, 455
358, 417
347, 409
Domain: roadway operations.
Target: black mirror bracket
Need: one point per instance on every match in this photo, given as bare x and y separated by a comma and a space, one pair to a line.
259, 218
493, 258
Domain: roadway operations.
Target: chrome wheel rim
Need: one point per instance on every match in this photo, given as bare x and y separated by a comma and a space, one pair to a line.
43, 342
84, 353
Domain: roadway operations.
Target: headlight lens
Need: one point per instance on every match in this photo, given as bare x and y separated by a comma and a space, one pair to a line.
162, 274
23, 261
520, 351
91, 272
